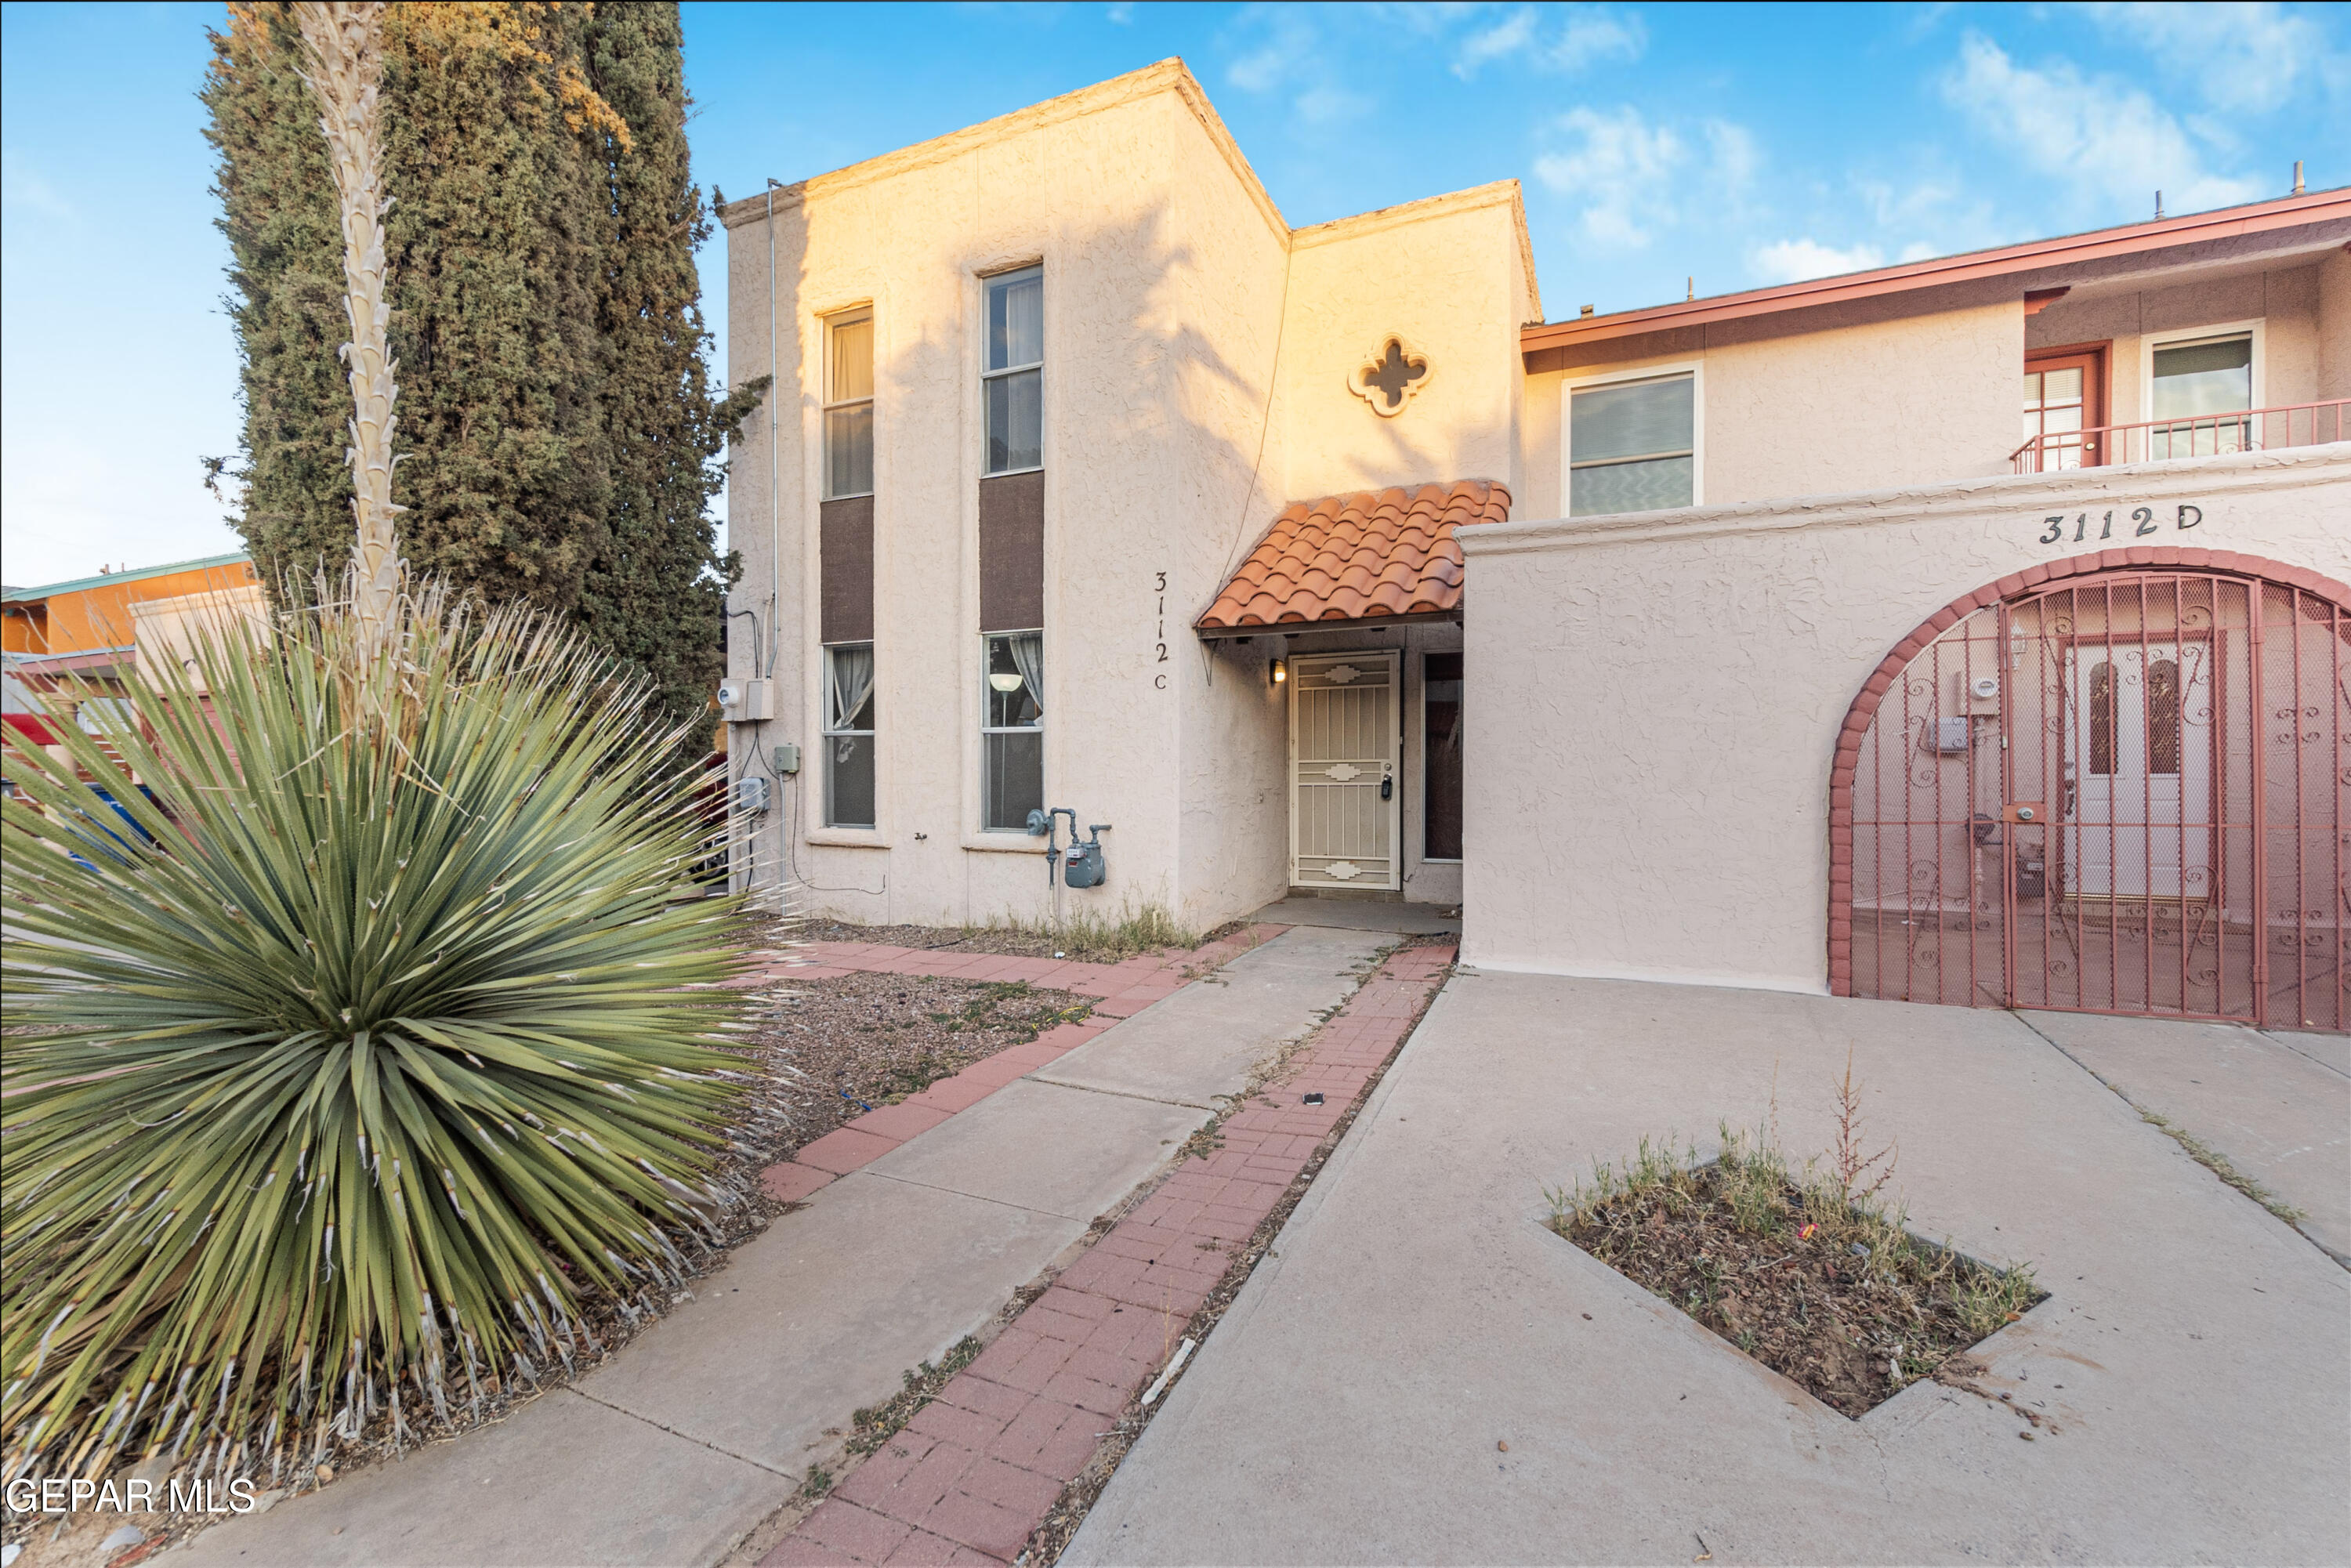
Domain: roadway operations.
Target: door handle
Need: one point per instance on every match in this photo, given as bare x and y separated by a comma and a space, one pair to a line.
1387, 788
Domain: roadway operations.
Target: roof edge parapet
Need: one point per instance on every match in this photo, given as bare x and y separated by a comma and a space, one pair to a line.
2313, 208
1170, 75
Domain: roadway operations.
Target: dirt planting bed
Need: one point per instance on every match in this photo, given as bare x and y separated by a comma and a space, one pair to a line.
1831, 1293
863, 1041
1086, 942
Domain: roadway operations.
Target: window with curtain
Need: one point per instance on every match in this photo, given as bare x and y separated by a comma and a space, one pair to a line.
849, 406
1012, 377
1632, 446
2197, 385
1012, 734
849, 735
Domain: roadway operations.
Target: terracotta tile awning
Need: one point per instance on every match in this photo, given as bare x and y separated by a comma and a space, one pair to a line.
1369, 555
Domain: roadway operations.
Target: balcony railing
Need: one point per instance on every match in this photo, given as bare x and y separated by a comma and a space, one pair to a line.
2206, 436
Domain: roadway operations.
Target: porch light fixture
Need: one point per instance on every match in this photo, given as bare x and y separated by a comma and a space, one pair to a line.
1004, 680
1277, 672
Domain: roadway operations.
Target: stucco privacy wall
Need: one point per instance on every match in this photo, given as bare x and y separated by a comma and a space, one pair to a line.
1657, 806
1870, 394
2286, 300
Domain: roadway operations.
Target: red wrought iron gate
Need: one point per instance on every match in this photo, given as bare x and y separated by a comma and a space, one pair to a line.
2130, 793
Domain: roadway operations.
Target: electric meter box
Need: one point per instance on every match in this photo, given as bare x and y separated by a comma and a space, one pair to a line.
747, 702
751, 794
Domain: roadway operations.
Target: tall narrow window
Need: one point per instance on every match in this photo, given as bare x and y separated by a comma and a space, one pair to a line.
2102, 718
1012, 371
2197, 387
2163, 717
1440, 699
849, 735
849, 406
1632, 446
1012, 733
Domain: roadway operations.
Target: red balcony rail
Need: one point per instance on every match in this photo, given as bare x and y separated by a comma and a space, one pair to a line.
2205, 435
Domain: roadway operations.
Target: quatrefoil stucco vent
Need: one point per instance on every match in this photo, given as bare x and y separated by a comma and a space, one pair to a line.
1390, 378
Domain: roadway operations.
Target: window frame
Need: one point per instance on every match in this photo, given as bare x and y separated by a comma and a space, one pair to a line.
2185, 337
828, 731
988, 280
1037, 728
848, 317
1695, 369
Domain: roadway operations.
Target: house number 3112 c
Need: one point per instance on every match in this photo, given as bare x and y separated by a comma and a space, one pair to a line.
2140, 523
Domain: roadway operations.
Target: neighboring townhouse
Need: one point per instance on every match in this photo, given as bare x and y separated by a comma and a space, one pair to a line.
72, 641
1314, 562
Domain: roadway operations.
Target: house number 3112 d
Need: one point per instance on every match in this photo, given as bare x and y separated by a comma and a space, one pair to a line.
2140, 523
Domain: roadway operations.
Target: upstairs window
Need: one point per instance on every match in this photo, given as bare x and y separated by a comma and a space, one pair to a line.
1632, 446
2197, 385
849, 406
1012, 374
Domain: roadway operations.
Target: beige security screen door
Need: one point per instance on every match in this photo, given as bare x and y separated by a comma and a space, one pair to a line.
1344, 755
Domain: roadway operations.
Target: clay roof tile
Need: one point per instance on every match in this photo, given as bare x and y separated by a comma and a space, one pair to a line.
1365, 554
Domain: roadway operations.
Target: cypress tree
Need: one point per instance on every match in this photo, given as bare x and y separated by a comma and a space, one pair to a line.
557, 424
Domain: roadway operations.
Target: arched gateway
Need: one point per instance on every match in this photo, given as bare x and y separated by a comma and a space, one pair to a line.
2117, 784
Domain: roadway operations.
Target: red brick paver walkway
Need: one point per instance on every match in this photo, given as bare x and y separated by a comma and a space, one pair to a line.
1120, 990
977, 1469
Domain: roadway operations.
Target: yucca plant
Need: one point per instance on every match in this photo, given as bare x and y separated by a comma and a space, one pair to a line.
389, 1035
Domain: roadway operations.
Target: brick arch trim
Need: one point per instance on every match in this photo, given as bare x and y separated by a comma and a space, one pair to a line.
2017, 585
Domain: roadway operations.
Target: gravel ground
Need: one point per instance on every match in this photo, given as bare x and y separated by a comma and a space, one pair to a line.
1093, 945
863, 1041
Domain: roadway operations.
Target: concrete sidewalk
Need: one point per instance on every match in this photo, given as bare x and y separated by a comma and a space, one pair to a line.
705, 1423
2193, 1366
2277, 1104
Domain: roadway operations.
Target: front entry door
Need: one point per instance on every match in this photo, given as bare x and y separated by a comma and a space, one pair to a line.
1345, 739
2138, 810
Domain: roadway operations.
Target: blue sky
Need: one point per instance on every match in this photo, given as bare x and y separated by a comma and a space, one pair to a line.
1740, 145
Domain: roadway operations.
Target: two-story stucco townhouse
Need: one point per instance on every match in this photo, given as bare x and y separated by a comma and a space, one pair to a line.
1968, 630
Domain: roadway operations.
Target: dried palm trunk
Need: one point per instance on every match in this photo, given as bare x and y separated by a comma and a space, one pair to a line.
343, 41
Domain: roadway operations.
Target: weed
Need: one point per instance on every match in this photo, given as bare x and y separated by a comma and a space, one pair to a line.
873, 1427
1101, 937
2213, 1160
1851, 1165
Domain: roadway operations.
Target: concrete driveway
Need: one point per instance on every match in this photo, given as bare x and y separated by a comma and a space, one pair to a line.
2192, 1365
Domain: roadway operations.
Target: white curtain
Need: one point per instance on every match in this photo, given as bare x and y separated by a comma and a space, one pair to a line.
848, 676
1028, 658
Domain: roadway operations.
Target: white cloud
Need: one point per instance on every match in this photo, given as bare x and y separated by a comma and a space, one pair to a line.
2108, 141
1120, 14
1591, 34
1793, 260
1631, 178
2242, 56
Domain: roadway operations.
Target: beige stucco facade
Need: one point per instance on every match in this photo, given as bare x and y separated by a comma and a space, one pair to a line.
1652, 700
1196, 355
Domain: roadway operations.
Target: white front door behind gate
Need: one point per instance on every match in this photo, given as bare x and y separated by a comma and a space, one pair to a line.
1344, 741
2138, 771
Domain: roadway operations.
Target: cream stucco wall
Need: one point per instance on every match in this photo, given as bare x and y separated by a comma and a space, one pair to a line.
1909, 390
1658, 805
2297, 342
1195, 384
